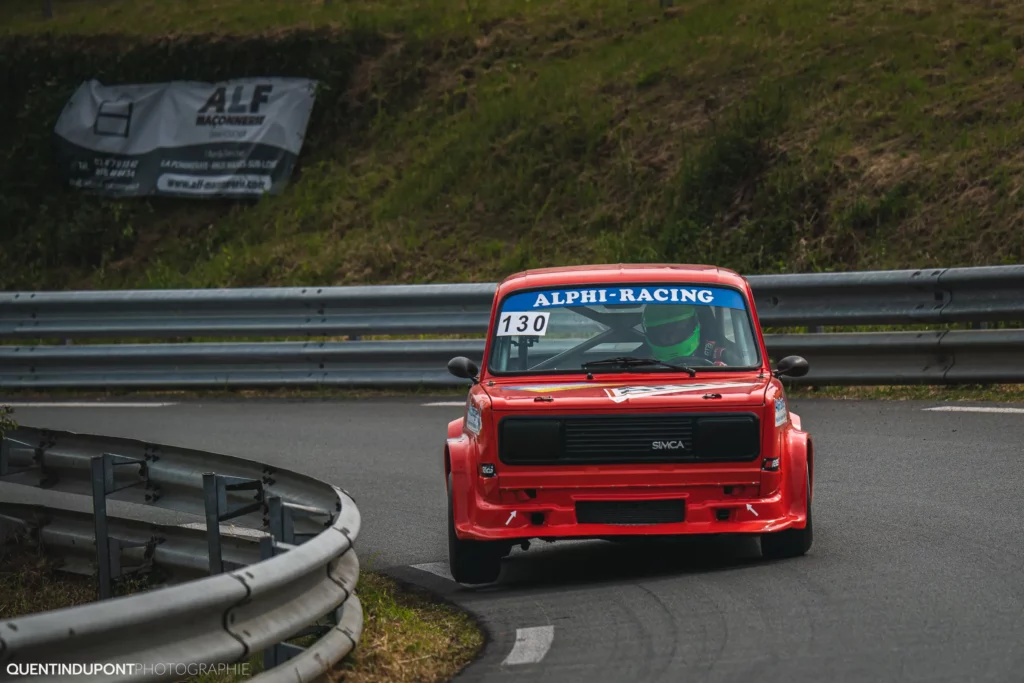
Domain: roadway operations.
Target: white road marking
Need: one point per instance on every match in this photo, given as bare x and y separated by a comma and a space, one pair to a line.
531, 645
446, 403
974, 409
435, 568
86, 405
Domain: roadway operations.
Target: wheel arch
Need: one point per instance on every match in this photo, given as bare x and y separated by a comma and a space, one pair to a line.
799, 469
810, 463
454, 432
455, 428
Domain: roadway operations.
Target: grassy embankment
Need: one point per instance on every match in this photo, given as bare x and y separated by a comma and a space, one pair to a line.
462, 140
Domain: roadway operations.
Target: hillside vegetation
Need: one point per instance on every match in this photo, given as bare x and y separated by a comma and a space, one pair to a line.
462, 140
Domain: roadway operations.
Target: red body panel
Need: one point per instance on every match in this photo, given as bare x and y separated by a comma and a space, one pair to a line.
502, 506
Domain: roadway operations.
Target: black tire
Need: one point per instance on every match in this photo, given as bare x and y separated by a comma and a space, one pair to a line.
791, 542
471, 561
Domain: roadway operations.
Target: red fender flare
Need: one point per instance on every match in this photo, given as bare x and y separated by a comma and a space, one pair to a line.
799, 465
459, 464
455, 428
454, 432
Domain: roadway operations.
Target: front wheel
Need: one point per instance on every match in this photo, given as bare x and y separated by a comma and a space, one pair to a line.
471, 561
791, 542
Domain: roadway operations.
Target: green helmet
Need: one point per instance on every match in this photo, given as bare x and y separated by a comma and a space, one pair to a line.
672, 331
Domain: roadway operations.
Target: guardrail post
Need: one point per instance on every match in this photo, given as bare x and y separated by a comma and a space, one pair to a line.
215, 496
102, 482
276, 655
282, 538
282, 524
275, 518
212, 504
108, 550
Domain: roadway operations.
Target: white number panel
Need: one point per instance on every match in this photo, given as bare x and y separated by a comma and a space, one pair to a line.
523, 322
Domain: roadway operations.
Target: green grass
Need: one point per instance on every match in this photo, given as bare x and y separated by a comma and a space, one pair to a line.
408, 637
464, 140
6, 423
27, 582
419, 18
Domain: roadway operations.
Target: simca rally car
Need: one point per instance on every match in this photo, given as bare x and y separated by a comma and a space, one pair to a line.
624, 400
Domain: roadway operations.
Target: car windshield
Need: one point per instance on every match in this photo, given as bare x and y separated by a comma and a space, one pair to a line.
558, 330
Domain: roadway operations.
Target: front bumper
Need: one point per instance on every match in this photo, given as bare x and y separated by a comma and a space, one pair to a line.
551, 513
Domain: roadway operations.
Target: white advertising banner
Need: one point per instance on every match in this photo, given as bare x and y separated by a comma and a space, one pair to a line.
238, 138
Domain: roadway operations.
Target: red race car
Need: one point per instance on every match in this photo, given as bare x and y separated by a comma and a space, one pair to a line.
624, 400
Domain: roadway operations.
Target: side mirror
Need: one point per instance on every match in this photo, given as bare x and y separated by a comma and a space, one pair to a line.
792, 366
460, 366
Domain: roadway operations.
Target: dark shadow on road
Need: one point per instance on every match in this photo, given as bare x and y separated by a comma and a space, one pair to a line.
561, 565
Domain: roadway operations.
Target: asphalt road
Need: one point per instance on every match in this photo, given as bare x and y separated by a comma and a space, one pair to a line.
916, 574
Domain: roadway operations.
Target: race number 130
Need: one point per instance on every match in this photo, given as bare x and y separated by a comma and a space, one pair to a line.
527, 322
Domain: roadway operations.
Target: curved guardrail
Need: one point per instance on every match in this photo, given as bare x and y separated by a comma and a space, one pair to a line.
157, 475
241, 609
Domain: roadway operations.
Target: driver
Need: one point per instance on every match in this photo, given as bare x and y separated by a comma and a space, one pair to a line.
673, 331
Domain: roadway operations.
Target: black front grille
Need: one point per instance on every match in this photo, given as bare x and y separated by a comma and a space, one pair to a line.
628, 437
630, 511
608, 439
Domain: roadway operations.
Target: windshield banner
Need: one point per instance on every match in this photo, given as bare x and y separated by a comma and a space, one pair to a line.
654, 294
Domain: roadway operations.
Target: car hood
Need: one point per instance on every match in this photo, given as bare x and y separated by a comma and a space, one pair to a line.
630, 393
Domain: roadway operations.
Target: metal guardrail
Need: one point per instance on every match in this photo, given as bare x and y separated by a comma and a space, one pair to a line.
158, 475
254, 599
285, 311
944, 295
857, 298
928, 357
380, 363
178, 552
891, 297
894, 358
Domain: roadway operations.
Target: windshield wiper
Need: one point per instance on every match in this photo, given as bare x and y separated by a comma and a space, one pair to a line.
634, 362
